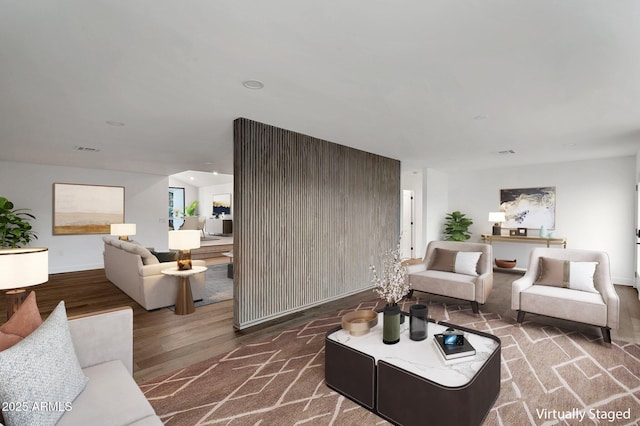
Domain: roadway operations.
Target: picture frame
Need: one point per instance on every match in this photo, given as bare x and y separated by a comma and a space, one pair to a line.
521, 232
513, 232
529, 207
221, 204
86, 209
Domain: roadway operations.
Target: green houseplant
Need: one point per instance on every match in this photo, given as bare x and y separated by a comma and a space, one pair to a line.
15, 229
457, 227
191, 209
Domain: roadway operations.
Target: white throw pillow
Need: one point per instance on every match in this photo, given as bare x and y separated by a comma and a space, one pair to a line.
41, 374
466, 262
581, 276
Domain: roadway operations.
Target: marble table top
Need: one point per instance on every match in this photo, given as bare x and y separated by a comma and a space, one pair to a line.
421, 358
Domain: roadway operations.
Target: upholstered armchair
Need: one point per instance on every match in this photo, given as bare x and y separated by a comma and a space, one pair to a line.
570, 284
454, 269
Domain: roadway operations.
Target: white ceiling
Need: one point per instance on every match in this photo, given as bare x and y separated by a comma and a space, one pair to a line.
444, 84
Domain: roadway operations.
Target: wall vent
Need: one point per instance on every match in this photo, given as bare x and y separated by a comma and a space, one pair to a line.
506, 152
86, 149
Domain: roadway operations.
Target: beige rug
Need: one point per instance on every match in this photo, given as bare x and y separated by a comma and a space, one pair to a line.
550, 375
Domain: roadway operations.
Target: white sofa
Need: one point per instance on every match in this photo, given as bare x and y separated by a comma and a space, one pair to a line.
474, 288
599, 306
104, 345
137, 272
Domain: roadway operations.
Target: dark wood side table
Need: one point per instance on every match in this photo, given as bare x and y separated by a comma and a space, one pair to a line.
184, 302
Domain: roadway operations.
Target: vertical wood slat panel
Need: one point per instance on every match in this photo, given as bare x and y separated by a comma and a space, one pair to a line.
310, 216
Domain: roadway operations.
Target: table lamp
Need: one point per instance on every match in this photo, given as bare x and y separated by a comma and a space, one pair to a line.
184, 241
22, 267
123, 230
497, 218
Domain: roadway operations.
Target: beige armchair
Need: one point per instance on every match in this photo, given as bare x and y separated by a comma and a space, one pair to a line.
563, 283
445, 272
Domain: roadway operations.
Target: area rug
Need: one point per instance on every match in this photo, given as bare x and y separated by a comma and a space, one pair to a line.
549, 375
218, 286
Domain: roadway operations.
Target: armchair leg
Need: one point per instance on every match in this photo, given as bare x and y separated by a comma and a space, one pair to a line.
606, 335
474, 307
520, 316
410, 294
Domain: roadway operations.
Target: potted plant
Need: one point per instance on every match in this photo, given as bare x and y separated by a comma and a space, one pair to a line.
457, 227
191, 209
392, 286
15, 229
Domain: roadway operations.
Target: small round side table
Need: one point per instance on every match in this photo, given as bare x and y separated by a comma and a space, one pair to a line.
184, 303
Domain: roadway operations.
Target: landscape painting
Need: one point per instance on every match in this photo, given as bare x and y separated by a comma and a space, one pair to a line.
221, 204
86, 209
529, 207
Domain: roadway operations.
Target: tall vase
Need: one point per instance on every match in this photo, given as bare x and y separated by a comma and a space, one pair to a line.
391, 324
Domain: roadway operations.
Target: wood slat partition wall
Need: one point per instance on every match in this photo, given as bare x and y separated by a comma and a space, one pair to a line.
310, 216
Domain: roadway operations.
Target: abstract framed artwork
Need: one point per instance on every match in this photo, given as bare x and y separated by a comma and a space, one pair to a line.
86, 209
529, 207
222, 204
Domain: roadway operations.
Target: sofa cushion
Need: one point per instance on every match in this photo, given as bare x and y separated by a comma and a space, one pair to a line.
460, 286
21, 324
41, 369
565, 303
111, 397
460, 262
567, 274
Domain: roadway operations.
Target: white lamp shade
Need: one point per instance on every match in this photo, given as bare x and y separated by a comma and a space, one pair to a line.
120, 229
184, 240
496, 217
23, 267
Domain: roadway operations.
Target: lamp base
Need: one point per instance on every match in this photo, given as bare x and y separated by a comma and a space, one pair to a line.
184, 260
14, 301
123, 237
497, 229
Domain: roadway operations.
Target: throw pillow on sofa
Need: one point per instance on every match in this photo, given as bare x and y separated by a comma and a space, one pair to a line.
568, 274
22, 323
460, 262
41, 374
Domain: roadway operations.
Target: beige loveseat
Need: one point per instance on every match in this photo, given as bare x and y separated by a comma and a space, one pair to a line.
473, 284
136, 271
549, 288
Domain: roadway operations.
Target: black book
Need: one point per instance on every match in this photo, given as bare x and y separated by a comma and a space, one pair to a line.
453, 351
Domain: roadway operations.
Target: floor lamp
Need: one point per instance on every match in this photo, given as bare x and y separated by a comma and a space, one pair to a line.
22, 267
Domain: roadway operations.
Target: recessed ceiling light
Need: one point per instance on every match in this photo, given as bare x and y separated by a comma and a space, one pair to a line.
481, 117
192, 178
253, 84
114, 123
215, 173
506, 152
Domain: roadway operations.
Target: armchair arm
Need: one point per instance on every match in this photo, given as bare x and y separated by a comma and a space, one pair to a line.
520, 285
484, 285
612, 300
418, 267
105, 336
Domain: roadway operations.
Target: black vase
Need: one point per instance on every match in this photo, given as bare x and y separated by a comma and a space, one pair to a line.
391, 324
418, 322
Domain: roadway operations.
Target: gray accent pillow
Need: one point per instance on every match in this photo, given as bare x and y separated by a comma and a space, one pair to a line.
41, 374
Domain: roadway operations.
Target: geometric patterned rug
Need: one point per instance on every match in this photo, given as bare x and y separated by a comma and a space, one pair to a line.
549, 375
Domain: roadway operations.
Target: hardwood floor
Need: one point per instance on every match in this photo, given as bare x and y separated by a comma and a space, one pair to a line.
165, 342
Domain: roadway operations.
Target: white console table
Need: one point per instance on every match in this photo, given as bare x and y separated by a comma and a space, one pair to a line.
219, 226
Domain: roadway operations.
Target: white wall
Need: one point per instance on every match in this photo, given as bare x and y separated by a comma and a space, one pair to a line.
437, 204
206, 194
595, 206
31, 186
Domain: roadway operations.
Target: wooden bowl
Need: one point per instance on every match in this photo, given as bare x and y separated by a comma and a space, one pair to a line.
502, 263
358, 323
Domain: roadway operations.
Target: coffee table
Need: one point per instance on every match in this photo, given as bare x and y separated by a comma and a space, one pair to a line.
410, 383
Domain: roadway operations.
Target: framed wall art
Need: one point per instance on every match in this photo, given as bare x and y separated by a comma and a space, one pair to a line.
221, 204
86, 209
529, 207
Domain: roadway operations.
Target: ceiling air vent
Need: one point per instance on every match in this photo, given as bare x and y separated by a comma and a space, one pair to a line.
506, 152
86, 149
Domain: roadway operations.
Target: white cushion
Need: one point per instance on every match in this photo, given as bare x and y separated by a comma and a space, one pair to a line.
581, 276
466, 262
